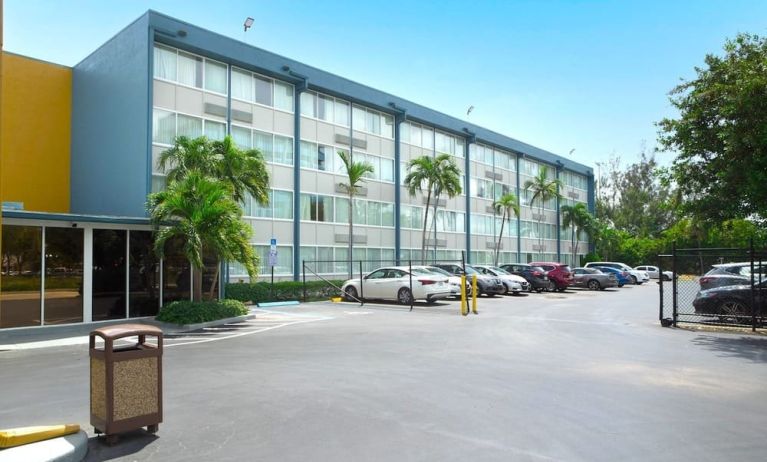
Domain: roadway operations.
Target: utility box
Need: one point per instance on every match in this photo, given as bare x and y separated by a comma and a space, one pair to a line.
126, 380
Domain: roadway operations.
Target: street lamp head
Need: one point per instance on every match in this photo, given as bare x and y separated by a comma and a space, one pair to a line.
248, 23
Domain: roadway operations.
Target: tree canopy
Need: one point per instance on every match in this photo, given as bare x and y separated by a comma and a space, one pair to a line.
720, 136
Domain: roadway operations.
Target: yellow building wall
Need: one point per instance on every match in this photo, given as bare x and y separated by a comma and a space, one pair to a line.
35, 133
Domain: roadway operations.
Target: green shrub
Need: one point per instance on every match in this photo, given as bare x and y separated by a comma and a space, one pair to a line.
186, 312
258, 292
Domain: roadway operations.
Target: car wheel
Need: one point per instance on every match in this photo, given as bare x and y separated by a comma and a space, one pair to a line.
732, 310
634, 280
539, 289
551, 287
351, 294
404, 297
594, 285
508, 290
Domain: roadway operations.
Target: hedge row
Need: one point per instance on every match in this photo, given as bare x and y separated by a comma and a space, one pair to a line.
284, 290
187, 312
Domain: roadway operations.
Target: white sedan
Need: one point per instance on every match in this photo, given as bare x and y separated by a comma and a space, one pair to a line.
654, 272
514, 284
394, 283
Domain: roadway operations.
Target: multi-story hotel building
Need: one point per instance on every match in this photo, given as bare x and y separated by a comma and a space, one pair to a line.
79, 229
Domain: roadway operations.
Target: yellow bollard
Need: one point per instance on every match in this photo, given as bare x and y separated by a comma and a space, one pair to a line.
474, 293
464, 302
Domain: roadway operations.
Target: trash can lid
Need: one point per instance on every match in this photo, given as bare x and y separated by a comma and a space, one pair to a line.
126, 330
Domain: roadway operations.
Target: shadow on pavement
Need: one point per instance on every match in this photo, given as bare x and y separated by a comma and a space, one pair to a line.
129, 443
753, 349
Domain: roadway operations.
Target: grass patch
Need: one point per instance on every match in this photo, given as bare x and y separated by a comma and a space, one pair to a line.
186, 312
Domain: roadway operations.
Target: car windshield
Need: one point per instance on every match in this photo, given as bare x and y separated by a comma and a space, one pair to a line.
470, 270
591, 271
439, 271
499, 270
537, 268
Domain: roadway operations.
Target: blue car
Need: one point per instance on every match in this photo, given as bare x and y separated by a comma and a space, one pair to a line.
622, 276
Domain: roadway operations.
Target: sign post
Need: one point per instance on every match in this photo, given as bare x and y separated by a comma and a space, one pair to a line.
272, 263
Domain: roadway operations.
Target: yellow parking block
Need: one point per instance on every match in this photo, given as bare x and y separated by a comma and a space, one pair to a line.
25, 435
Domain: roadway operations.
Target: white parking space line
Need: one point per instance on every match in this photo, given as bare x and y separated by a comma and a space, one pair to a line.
266, 321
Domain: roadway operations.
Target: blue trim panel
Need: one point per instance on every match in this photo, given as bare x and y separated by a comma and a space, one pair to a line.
519, 217
75, 217
296, 184
110, 126
467, 190
397, 188
559, 233
591, 206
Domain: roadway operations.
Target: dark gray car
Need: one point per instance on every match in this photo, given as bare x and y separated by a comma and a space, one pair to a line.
593, 279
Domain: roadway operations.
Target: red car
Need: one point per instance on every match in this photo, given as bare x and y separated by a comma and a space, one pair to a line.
559, 274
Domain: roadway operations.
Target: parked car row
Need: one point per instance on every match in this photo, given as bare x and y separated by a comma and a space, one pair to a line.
434, 282
726, 292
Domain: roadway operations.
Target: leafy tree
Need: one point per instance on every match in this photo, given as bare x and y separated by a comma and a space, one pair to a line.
720, 136
436, 175
544, 189
355, 174
201, 212
635, 199
505, 205
578, 219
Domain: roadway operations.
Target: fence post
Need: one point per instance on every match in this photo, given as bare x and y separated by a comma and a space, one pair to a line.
303, 270
753, 286
410, 271
660, 290
362, 290
674, 283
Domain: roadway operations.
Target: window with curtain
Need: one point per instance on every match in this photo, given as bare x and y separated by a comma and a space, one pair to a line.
283, 150
247, 205
163, 126
264, 91
325, 208
308, 104
263, 211
263, 142
325, 158
428, 138
308, 155
373, 122
358, 118
283, 96
388, 126
242, 137
387, 214
342, 210
374, 213
386, 173
325, 108
308, 206
242, 85
215, 76
360, 211
415, 135
190, 70
341, 113
189, 126
215, 130
283, 204
164, 63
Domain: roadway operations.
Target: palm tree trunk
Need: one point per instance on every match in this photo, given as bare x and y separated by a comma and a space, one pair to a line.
540, 229
425, 221
500, 236
434, 219
351, 231
215, 281
574, 244
197, 284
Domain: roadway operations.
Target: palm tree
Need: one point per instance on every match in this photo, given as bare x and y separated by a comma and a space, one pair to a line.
506, 204
243, 170
448, 181
436, 175
578, 219
201, 211
543, 189
355, 173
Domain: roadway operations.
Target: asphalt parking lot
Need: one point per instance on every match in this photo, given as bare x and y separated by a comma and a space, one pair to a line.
579, 376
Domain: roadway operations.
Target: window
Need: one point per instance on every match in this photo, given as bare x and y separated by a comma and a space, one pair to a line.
388, 126
263, 91
387, 214
283, 96
341, 113
283, 204
325, 108
215, 130
283, 150
308, 104
215, 77
242, 86
164, 63
264, 143
358, 118
374, 213
242, 137
22, 260
190, 70
189, 126
428, 138
163, 126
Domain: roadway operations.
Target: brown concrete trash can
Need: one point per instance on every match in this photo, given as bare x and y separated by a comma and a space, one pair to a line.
126, 380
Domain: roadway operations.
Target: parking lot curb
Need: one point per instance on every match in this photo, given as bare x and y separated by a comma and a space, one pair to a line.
168, 328
69, 448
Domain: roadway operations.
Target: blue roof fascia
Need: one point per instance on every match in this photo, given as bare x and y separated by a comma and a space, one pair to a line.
231, 51
74, 217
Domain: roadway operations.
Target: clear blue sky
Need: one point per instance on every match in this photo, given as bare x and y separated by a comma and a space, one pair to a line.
589, 75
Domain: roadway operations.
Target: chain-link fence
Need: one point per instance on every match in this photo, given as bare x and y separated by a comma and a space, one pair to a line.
715, 286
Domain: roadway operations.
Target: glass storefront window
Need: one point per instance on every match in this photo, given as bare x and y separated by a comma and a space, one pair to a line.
143, 276
20, 281
109, 284
63, 275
